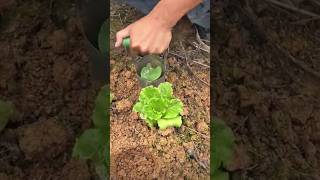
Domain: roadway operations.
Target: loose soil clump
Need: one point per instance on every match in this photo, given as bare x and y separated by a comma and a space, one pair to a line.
44, 72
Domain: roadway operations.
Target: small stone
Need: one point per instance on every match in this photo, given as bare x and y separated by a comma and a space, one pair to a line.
134, 116
202, 127
181, 156
59, 41
172, 77
123, 105
167, 132
185, 111
127, 74
130, 84
163, 142
172, 61
188, 145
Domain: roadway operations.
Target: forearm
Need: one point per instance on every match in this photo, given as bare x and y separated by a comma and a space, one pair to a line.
171, 11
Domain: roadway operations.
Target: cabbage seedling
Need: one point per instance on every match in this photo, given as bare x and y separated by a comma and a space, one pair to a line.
158, 106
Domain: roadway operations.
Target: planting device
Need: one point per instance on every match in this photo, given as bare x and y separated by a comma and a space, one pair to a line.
142, 61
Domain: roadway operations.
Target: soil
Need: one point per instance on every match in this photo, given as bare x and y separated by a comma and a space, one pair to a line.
270, 102
44, 72
139, 152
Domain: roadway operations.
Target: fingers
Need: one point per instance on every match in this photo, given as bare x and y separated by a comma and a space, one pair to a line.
121, 35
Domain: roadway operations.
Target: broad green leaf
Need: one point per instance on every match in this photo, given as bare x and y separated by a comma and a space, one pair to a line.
100, 113
151, 123
149, 113
103, 38
6, 110
220, 175
174, 109
148, 93
149, 73
88, 144
222, 144
166, 89
158, 105
174, 122
138, 107
111, 97
102, 171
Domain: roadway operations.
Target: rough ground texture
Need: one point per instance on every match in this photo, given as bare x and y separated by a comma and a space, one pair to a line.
44, 72
138, 152
270, 102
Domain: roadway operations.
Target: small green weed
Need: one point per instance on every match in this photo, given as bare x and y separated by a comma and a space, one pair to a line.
222, 149
93, 144
6, 111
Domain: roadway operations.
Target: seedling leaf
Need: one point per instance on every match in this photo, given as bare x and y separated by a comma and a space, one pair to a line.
149, 73
173, 122
88, 144
222, 147
6, 110
100, 113
220, 175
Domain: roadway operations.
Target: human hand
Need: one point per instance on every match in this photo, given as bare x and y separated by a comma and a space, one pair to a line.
148, 35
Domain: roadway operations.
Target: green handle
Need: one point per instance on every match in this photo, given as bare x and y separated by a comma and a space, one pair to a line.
126, 42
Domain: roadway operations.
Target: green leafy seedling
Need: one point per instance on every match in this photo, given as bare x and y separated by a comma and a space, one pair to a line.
149, 73
6, 111
222, 149
88, 144
93, 144
158, 106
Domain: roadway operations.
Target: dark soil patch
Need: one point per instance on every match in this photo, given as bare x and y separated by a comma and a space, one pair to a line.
44, 72
271, 104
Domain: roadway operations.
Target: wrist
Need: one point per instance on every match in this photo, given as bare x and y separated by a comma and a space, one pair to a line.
164, 15
169, 12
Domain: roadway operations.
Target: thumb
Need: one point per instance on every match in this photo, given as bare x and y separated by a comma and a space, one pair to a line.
120, 35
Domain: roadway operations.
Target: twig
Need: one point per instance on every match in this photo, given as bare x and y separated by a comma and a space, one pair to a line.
201, 47
178, 55
200, 63
298, 63
193, 154
204, 47
175, 54
193, 130
303, 21
292, 8
188, 66
316, 2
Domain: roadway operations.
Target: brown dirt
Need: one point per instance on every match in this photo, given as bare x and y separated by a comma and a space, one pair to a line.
139, 158
165, 153
44, 71
271, 104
